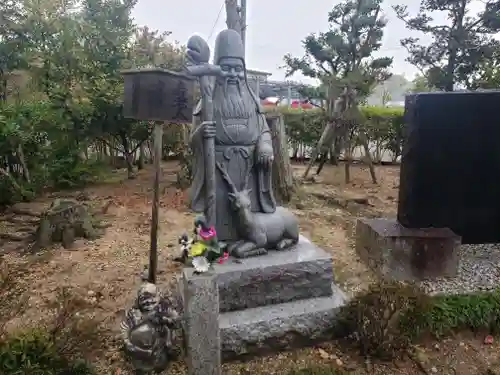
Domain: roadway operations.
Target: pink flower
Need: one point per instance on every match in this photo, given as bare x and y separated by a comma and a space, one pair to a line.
224, 257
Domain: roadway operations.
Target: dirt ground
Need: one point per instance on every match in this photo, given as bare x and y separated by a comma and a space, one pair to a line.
110, 266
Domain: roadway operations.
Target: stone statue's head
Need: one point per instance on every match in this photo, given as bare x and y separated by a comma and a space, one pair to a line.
148, 297
240, 200
235, 100
230, 56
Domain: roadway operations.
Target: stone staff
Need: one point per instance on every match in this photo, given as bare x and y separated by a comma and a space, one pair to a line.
198, 54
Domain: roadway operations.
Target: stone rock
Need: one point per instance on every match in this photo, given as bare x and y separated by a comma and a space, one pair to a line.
304, 271
396, 252
266, 329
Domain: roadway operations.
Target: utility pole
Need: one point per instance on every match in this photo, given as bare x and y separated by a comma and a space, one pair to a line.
243, 22
236, 17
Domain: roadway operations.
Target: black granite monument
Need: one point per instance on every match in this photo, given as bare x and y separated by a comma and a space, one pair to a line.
449, 163
448, 192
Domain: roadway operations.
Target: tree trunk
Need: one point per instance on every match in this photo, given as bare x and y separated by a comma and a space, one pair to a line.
347, 159
12, 181
334, 153
364, 141
140, 161
282, 176
150, 152
326, 137
128, 156
22, 161
322, 162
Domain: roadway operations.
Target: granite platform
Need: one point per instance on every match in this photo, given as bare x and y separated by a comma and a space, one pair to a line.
395, 252
281, 300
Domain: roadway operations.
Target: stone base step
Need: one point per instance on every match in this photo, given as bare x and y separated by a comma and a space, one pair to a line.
304, 271
266, 329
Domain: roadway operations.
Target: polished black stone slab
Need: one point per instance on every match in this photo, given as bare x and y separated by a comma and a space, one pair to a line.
450, 168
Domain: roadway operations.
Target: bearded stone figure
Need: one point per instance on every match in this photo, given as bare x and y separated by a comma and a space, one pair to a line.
242, 139
244, 214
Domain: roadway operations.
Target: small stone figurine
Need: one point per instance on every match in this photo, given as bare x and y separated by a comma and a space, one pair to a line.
147, 330
205, 248
185, 242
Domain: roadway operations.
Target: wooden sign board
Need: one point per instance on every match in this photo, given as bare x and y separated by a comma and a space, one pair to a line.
158, 94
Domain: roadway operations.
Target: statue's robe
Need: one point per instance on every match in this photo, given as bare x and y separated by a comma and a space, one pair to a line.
237, 142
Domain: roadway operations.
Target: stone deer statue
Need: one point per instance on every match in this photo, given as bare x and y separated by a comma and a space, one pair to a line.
258, 231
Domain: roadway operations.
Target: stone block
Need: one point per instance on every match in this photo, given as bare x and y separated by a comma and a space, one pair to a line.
449, 152
201, 323
304, 271
267, 329
399, 253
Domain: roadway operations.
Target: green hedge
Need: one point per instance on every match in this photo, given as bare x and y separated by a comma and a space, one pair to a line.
384, 126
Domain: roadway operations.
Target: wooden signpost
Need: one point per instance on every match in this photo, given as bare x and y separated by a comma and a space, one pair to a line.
162, 97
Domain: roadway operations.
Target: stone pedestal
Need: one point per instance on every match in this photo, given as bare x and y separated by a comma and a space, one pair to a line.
201, 324
399, 253
274, 302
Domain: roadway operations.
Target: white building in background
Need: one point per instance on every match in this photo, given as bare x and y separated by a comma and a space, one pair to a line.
395, 104
255, 78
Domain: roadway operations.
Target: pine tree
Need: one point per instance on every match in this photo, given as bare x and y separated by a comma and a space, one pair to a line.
342, 59
459, 47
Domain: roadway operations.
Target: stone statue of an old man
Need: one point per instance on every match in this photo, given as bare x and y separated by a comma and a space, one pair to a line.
241, 137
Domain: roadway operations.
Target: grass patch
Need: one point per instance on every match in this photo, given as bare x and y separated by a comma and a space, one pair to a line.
391, 316
448, 314
58, 347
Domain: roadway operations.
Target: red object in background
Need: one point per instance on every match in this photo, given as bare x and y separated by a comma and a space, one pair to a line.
268, 103
298, 104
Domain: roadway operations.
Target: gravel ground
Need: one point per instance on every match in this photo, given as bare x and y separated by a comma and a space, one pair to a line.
479, 270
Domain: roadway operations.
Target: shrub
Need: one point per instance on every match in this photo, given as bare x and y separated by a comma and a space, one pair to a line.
376, 319
391, 316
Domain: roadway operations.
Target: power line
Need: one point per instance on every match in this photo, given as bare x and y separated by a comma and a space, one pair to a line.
216, 20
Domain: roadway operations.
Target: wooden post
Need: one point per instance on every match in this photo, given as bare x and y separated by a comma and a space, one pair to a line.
153, 251
282, 174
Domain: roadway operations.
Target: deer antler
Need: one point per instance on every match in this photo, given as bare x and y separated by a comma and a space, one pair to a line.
225, 177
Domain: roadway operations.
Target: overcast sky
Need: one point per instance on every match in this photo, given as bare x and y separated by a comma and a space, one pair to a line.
275, 28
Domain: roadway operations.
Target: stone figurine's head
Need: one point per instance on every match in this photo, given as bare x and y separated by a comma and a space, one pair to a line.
200, 224
184, 239
240, 200
148, 297
233, 96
